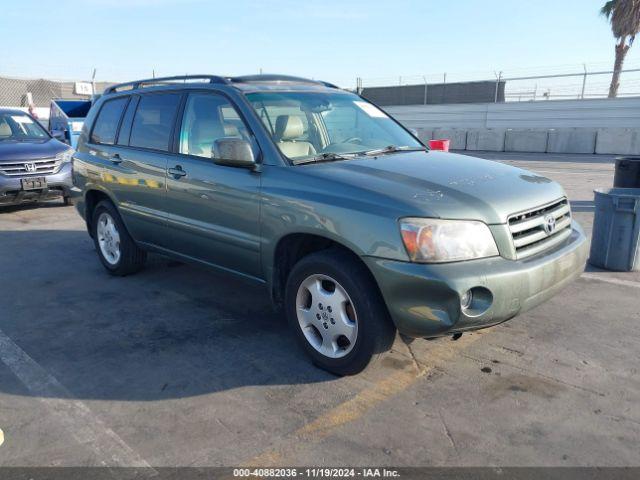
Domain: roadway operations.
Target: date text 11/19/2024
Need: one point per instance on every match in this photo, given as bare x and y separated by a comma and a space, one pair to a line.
316, 472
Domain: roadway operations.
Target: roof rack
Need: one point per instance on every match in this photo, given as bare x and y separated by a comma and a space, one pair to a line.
214, 79
278, 78
163, 80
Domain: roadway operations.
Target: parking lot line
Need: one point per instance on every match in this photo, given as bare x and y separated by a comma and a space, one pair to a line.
73, 414
363, 402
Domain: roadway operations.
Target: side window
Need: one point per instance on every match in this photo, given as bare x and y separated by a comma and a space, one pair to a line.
153, 121
207, 118
106, 126
125, 125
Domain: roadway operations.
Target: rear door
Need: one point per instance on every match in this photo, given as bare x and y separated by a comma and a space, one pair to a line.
213, 210
136, 164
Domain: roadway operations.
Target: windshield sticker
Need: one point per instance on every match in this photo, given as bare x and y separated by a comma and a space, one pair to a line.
21, 119
371, 110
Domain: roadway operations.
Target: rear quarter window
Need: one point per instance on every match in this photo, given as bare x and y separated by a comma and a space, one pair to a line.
153, 121
106, 125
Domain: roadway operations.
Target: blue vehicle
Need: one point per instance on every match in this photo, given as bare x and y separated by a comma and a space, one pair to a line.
66, 119
34, 166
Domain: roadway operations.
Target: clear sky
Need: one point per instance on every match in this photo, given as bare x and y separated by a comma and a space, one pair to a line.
331, 39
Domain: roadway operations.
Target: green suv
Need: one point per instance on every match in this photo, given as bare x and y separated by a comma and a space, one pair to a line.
355, 227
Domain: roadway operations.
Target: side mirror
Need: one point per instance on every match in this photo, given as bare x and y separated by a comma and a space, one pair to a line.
58, 135
233, 152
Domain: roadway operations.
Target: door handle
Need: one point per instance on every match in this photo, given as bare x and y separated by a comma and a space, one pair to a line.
116, 158
177, 172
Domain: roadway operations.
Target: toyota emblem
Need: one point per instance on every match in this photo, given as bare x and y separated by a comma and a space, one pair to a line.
549, 224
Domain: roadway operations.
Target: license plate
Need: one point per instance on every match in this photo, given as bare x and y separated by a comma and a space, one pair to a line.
34, 183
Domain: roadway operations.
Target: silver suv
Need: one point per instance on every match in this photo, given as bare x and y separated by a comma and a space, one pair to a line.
34, 166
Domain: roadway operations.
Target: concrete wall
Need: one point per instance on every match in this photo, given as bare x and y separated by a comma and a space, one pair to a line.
572, 140
568, 126
457, 137
599, 113
484, 139
623, 141
526, 140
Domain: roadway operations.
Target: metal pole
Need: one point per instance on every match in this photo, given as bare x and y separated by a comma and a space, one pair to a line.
425, 89
584, 81
498, 78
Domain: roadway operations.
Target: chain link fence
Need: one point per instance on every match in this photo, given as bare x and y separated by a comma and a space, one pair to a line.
35, 94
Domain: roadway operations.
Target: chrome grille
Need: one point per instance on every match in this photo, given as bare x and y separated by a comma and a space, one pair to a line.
528, 228
41, 166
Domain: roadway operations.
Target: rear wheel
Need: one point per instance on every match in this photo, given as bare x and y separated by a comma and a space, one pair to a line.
117, 251
336, 311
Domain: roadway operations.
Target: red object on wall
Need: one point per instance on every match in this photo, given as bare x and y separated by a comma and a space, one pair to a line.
442, 145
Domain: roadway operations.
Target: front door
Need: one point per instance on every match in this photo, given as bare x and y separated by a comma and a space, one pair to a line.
213, 210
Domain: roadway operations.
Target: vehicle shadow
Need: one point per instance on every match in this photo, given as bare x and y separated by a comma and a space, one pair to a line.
170, 331
32, 206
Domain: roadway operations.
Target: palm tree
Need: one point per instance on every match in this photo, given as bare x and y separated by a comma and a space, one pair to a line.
624, 16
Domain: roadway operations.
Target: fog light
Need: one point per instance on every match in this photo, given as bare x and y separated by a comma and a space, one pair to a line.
466, 299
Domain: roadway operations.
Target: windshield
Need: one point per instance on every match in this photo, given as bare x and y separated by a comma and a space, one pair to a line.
322, 124
20, 126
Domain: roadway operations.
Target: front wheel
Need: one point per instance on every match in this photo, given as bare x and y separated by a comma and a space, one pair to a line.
117, 251
336, 311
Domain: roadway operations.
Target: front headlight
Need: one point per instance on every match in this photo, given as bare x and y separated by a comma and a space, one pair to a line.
431, 240
65, 157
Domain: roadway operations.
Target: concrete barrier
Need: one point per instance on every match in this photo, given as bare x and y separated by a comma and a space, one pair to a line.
425, 134
486, 139
619, 141
457, 137
572, 140
530, 140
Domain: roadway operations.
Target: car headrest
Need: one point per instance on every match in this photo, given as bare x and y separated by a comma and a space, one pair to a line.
288, 127
5, 130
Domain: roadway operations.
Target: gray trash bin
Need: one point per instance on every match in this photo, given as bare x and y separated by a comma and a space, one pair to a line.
627, 174
615, 242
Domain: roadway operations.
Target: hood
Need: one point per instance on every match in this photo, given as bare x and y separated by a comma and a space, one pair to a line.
10, 151
445, 185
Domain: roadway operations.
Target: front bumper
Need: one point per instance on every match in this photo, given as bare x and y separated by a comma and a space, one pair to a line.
424, 300
58, 184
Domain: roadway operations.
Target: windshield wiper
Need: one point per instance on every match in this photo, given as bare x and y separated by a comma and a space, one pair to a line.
324, 157
393, 149
332, 157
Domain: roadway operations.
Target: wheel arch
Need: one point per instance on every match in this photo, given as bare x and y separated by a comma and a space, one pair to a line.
91, 198
293, 247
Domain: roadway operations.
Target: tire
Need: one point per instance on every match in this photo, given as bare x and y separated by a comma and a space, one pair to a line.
337, 312
66, 201
118, 252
